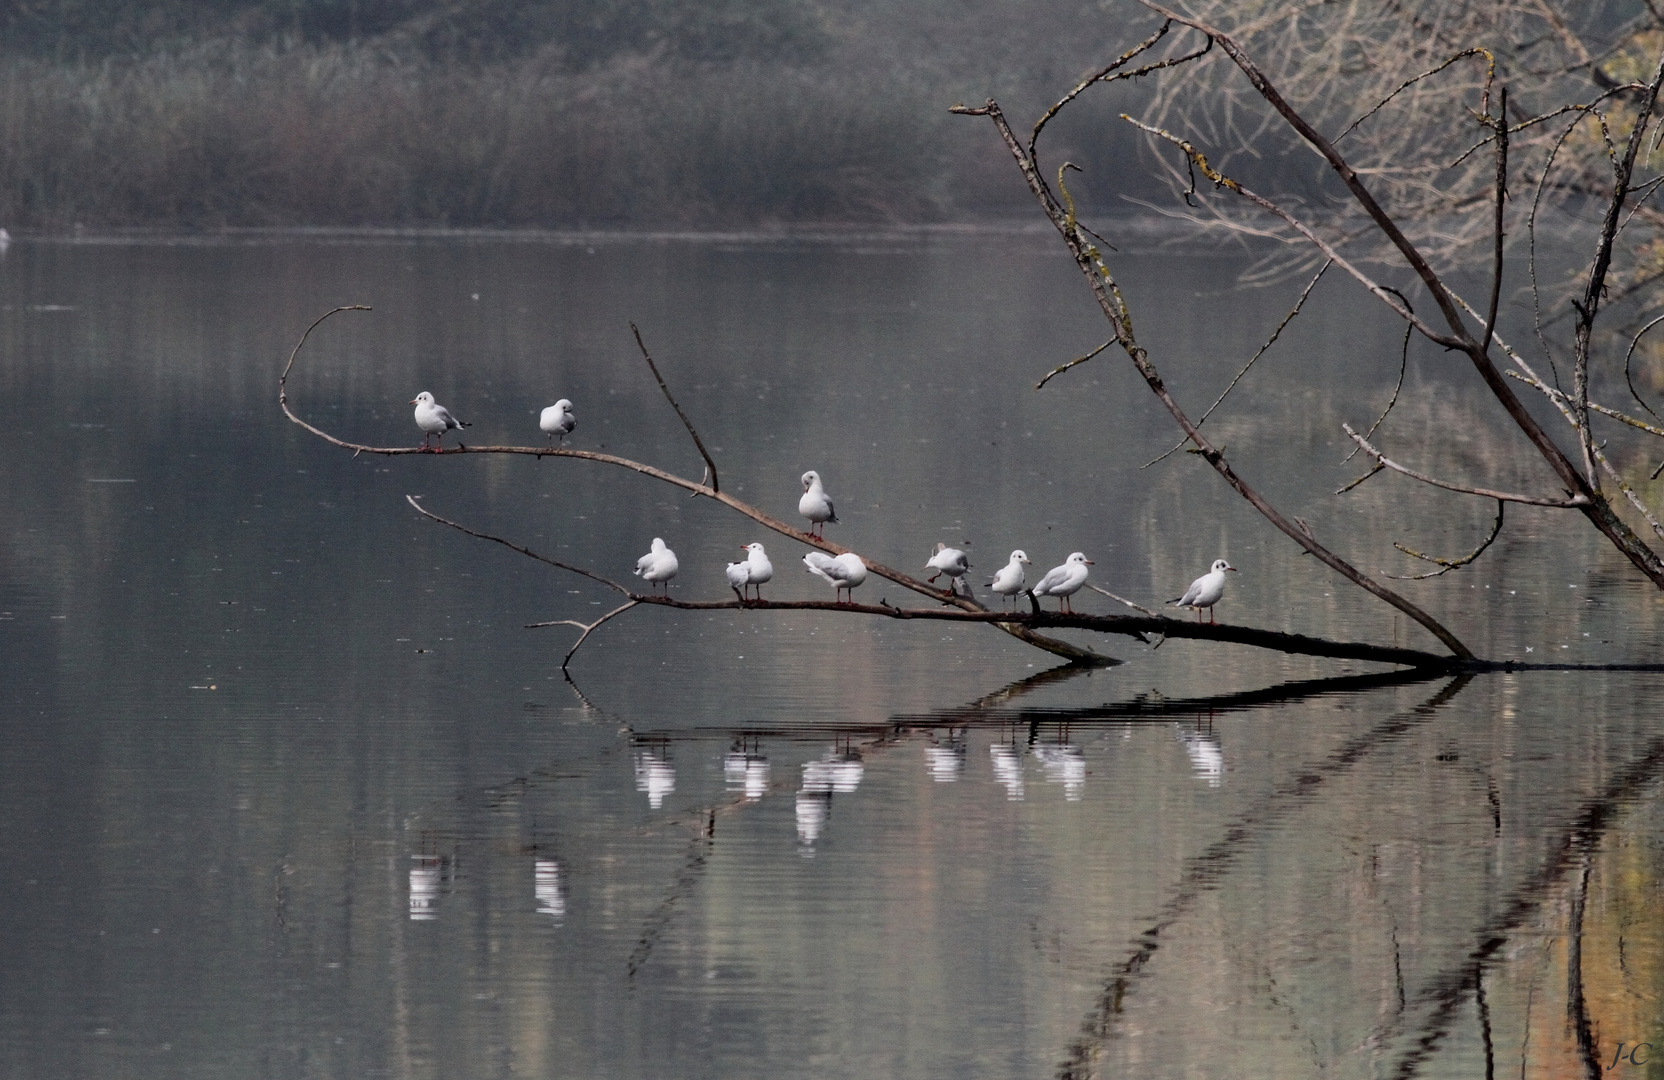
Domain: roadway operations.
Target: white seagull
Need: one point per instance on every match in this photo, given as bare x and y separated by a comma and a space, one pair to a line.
658, 565
815, 505
847, 571
433, 418
1206, 590
755, 570
558, 420
1064, 581
1009, 581
949, 561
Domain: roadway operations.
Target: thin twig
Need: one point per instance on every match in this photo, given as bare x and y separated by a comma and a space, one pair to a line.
1272, 340
1529, 500
1628, 376
1398, 387
1073, 363
587, 628
1220, 180
1501, 199
709, 464
1464, 54
1560, 396
1447, 565
1122, 600
420, 509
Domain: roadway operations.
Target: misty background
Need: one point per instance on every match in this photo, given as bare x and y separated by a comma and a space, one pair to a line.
579, 113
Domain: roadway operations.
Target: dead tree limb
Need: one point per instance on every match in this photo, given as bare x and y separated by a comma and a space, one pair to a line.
1108, 295
1067, 650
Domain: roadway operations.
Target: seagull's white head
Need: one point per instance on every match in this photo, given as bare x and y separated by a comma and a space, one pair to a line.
563, 405
424, 398
1220, 566
810, 479
658, 544
1019, 556
1078, 557
755, 549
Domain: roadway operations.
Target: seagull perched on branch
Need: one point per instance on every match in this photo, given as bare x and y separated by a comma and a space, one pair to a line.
658, 565
949, 561
1206, 590
558, 420
815, 504
755, 570
1064, 581
1009, 581
845, 572
433, 418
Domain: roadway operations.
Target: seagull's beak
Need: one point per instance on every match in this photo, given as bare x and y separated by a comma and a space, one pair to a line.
1232, 569
1089, 562
412, 401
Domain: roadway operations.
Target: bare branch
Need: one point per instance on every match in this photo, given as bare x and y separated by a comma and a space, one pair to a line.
1464, 54
1329, 251
1628, 375
587, 628
1501, 199
1403, 366
1559, 396
709, 464
1073, 363
1122, 600
1110, 301
1447, 565
1275, 334
1529, 500
420, 509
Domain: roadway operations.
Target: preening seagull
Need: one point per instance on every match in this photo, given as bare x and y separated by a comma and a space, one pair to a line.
1064, 581
1206, 590
815, 504
755, 570
949, 561
845, 572
658, 565
433, 418
1009, 581
558, 420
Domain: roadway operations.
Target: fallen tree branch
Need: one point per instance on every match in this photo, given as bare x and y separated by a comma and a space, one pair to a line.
1067, 650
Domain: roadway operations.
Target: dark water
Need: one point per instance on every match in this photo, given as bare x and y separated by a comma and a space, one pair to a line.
288, 791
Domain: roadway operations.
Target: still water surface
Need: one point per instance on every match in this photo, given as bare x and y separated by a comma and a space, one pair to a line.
288, 791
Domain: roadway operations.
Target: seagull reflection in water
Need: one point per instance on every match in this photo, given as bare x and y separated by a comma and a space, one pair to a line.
1064, 763
654, 775
747, 773
426, 875
1207, 758
840, 771
946, 760
549, 890
1008, 769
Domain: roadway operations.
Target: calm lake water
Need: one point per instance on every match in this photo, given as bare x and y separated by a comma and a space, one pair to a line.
289, 791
